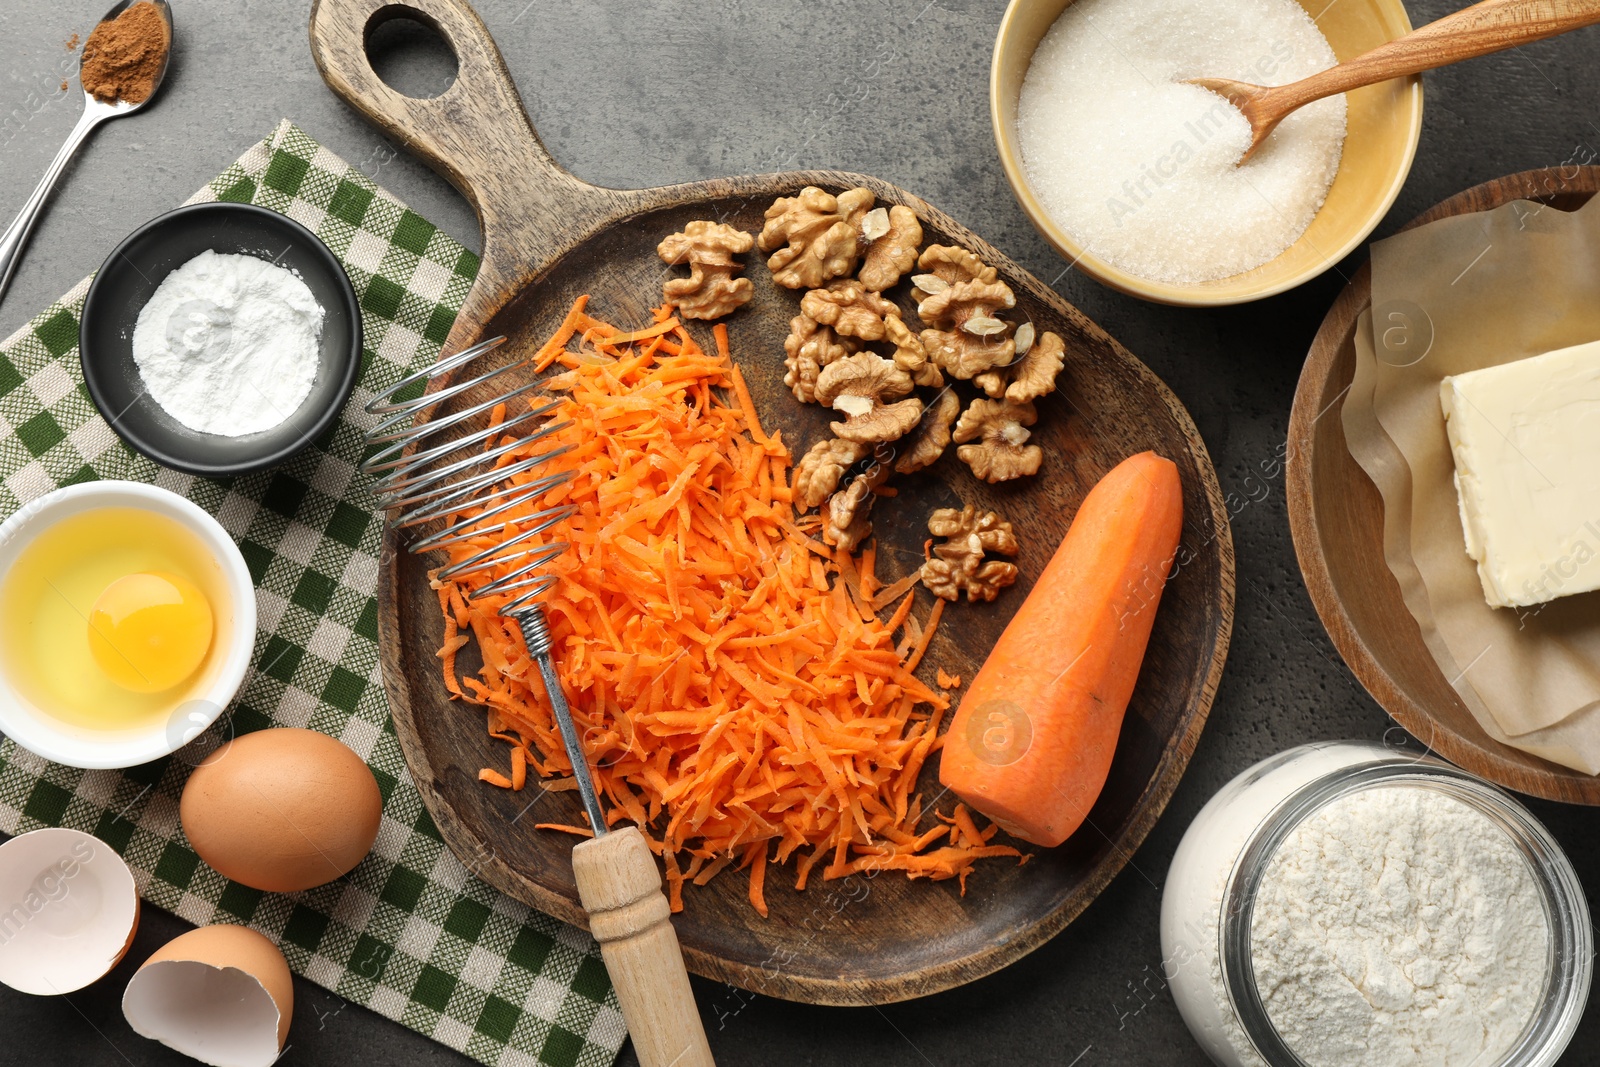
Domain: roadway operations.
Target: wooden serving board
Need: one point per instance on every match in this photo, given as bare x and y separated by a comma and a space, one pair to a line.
1336, 516
549, 237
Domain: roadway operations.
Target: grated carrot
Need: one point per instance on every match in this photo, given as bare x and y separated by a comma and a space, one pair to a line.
737, 694
921, 647
901, 613
890, 593
758, 877
519, 767
552, 348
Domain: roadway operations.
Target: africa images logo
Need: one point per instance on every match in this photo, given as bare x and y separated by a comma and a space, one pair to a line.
999, 732
50, 887
199, 328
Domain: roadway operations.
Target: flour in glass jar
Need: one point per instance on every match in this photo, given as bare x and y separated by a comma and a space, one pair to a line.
1399, 927
1140, 169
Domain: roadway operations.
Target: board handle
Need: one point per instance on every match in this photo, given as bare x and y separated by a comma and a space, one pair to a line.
476, 134
629, 916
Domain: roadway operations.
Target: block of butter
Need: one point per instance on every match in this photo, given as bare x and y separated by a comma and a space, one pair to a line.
1526, 440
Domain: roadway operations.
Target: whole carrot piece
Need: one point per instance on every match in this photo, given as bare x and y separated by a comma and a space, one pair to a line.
1031, 743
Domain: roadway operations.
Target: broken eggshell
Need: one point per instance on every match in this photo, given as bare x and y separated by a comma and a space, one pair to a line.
68, 910
219, 994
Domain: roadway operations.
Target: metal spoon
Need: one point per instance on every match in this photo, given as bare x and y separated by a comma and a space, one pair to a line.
1490, 26
94, 113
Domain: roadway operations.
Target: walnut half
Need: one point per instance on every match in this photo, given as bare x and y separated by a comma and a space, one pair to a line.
909, 355
850, 309
861, 387
845, 523
999, 430
932, 435
711, 290
958, 565
958, 300
814, 236
809, 347
819, 471
1033, 373
893, 237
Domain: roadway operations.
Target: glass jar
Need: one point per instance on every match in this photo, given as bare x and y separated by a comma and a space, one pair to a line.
1208, 904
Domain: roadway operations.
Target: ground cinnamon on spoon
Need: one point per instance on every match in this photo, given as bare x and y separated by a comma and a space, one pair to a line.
123, 58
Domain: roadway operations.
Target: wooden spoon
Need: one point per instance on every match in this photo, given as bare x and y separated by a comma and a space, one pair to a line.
1490, 26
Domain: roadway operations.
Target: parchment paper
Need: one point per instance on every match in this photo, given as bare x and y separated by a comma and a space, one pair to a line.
1456, 295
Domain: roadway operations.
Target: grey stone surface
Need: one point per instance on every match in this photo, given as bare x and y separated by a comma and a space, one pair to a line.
646, 92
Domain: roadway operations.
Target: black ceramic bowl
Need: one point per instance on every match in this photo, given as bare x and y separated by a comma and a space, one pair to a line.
128, 279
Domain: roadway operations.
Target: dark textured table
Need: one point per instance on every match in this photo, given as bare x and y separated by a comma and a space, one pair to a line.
646, 92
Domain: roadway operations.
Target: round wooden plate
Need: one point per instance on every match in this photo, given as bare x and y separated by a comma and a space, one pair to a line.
548, 238
1336, 516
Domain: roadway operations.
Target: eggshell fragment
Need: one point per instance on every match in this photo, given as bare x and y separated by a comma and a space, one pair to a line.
282, 810
219, 994
68, 910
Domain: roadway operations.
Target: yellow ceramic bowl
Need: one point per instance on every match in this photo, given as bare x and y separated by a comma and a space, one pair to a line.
1384, 123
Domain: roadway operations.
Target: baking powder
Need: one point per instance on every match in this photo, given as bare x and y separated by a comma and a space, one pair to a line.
1398, 925
228, 344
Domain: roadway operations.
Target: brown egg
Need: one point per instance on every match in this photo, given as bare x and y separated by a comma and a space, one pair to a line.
282, 810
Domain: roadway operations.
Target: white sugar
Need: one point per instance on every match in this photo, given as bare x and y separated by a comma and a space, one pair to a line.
1140, 169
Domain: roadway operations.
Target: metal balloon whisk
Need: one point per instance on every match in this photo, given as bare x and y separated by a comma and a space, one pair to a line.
439, 472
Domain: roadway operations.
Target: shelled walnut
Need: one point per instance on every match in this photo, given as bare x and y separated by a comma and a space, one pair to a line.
711, 290
958, 565
862, 386
993, 532
820, 470
1032, 373
814, 236
950, 264
850, 309
999, 430
846, 522
932, 435
893, 236
810, 347
909, 354
958, 300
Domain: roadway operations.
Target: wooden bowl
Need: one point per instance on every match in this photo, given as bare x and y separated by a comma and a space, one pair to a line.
1384, 123
1336, 517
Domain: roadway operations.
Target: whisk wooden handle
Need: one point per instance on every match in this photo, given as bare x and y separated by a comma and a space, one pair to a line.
628, 915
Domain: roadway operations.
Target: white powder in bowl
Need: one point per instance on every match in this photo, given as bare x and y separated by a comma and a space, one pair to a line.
1398, 926
228, 344
1140, 169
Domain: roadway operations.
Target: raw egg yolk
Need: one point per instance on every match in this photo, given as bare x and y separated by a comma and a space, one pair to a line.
149, 632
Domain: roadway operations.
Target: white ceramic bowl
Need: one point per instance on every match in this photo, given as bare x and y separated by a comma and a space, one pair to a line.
58, 740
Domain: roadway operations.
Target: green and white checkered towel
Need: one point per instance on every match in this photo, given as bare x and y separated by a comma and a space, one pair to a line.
408, 933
